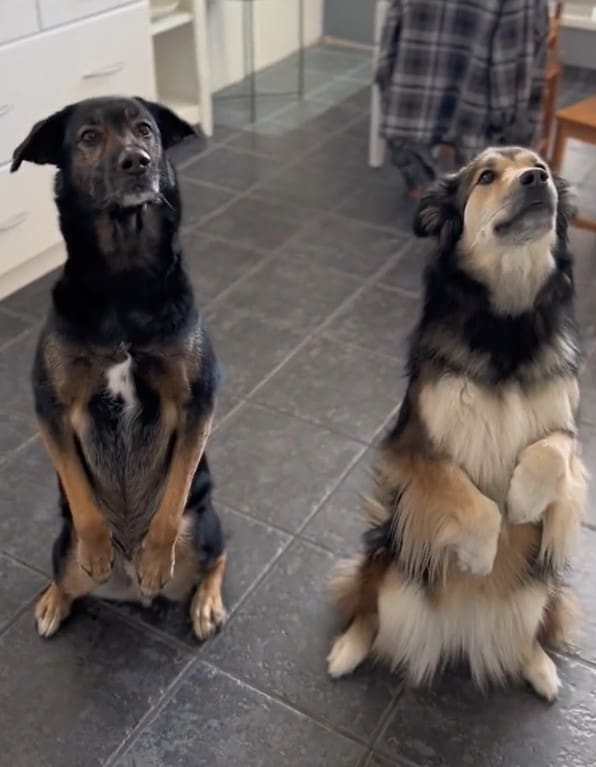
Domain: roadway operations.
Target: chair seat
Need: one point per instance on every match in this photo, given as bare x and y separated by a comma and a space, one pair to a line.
582, 113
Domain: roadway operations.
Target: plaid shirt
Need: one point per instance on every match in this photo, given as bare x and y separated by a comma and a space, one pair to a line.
463, 72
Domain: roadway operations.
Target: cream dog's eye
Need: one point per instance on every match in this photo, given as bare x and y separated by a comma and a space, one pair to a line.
486, 177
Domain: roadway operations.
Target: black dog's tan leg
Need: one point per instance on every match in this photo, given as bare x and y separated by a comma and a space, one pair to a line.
157, 556
207, 610
94, 543
549, 486
55, 603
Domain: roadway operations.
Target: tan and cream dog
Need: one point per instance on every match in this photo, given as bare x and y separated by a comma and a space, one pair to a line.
479, 486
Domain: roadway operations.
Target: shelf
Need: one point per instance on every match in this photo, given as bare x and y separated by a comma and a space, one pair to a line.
171, 21
185, 110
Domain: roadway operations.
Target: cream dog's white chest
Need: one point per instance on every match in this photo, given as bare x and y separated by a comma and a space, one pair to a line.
484, 429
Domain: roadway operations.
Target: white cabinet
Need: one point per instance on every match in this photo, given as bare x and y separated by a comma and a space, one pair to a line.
53, 13
110, 53
17, 19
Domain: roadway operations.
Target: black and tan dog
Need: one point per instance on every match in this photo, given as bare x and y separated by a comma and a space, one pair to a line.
479, 485
125, 376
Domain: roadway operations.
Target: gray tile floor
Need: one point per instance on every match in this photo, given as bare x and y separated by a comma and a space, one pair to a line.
309, 281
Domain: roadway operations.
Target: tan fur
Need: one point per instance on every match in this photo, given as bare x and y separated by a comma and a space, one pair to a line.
514, 275
207, 610
157, 556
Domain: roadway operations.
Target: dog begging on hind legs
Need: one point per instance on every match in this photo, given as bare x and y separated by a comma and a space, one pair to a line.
479, 486
125, 376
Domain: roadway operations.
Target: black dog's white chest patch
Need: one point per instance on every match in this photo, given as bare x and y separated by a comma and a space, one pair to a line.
120, 383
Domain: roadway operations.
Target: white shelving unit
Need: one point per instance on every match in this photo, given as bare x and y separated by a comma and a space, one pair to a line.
181, 62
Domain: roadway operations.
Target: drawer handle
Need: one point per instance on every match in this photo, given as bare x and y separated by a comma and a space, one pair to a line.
15, 221
111, 69
5, 109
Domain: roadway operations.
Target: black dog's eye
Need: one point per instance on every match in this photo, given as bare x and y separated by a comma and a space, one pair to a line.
540, 165
486, 177
90, 137
144, 129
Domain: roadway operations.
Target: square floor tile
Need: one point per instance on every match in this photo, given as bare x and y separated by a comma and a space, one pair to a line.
294, 290
279, 640
256, 223
275, 467
338, 91
270, 140
454, 725
11, 326
82, 692
34, 300
348, 389
582, 578
29, 516
380, 202
232, 170
407, 274
379, 319
248, 345
346, 244
342, 151
234, 725
16, 398
251, 547
214, 264
308, 186
18, 585
191, 147
341, 521
199, 200
319, 119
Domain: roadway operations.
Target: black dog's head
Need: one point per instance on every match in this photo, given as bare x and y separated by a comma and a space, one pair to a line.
501, 219
110, 151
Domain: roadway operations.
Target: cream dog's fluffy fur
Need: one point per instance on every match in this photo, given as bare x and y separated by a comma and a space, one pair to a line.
479, 486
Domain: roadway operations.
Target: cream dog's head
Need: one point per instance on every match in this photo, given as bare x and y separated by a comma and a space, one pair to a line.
501, 217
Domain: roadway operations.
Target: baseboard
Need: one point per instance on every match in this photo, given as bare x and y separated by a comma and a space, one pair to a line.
32, 270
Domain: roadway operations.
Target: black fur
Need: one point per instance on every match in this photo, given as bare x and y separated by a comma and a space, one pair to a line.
134, 294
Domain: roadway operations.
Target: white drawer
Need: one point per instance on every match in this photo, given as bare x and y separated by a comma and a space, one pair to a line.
17, 19
28, 217
109, 55
27, 95
56, 12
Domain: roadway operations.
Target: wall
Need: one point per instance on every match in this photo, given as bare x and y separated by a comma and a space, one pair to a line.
276, 34
350, 20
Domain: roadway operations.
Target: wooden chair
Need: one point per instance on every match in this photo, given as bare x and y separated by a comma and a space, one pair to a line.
577, 121
554, 68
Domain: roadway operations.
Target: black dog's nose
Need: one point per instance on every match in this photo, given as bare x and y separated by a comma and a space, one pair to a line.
134, 161
533, 177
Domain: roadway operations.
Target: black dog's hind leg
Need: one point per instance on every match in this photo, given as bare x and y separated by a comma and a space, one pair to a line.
70, 580
200, 555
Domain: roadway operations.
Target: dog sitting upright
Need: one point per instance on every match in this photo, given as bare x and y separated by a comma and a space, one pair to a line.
479, 485
124, 375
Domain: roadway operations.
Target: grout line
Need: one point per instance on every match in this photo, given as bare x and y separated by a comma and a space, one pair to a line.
152, 712
281, 700
281, 168
19, 449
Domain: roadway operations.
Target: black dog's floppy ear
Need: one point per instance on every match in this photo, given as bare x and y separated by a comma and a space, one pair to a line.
173, 130
437, 214
43, 145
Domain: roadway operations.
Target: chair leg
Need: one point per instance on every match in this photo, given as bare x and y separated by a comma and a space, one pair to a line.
376, 152
558, 147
